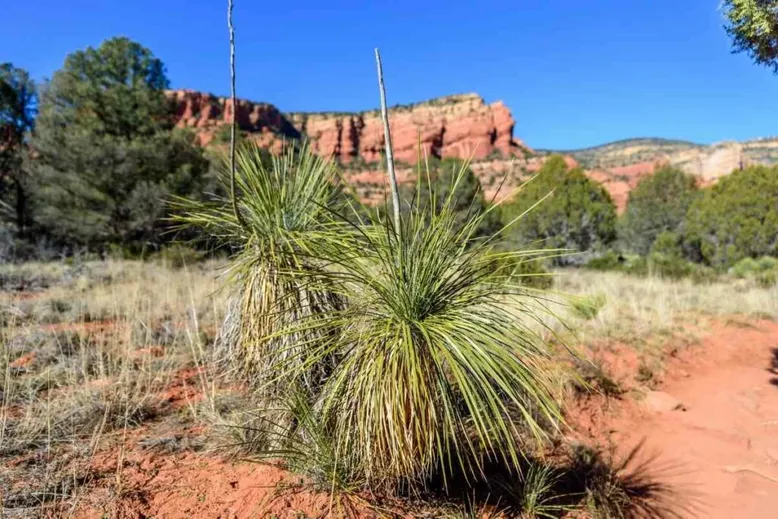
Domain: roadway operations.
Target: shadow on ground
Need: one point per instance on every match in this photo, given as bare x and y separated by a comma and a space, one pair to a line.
593, 479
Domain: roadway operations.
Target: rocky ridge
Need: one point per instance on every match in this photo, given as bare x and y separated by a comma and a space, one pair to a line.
619, 166
461, 126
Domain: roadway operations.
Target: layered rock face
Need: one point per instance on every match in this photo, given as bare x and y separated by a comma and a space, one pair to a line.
461, 126
207, 114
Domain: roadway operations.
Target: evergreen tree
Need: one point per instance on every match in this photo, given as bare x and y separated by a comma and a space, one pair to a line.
108, 156
736, 218
753, 27
658, 204
578, 214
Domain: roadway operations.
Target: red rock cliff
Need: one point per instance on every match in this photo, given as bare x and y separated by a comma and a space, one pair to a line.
207, 114
462, 126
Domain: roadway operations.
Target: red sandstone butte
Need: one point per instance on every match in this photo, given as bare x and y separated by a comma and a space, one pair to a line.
461, 126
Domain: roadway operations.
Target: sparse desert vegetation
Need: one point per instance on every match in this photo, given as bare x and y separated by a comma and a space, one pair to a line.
108, 368
211, 308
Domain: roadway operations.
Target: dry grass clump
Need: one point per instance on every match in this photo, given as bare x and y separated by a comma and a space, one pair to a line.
67, 380
635, 309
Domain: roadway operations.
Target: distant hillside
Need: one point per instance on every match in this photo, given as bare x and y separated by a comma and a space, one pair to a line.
620, 165
628, 151
688, 155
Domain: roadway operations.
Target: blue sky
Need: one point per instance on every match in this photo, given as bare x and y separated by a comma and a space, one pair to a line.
574, 73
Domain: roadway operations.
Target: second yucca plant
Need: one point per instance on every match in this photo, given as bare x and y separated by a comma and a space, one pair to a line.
280, 201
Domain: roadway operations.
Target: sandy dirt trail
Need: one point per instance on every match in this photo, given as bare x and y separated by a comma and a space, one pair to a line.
723, 443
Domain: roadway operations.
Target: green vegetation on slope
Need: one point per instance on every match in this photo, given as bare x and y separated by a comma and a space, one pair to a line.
658, 204
561, 208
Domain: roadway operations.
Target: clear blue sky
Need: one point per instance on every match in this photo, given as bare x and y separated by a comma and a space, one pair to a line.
575, 73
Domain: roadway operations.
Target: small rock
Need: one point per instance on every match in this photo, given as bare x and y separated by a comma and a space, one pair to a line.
661, 402
167, 443
683, 373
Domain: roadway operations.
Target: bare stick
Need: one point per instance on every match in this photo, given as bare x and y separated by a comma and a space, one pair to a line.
388, 139
236, 212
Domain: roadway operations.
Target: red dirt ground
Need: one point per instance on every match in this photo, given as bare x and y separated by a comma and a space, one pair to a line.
190, 485
723, 444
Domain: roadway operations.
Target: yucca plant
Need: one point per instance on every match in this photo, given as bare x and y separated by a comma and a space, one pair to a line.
535, 494
437, 371
279, 201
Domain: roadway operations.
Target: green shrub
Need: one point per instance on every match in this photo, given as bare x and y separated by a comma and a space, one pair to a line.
638, 266
425, 368
657, 205
282, 201
766, 263
763, 270
673, 267
767, 279
745, 267
589, 306
669, 266
561, 209
433, 355
666, 260
667, 243
611, 260
736, 218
